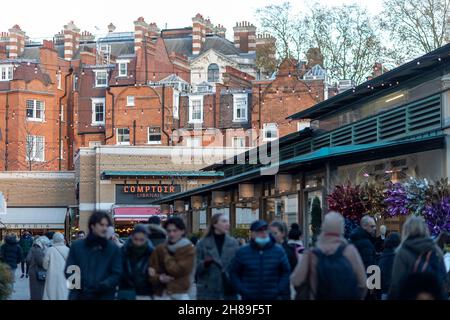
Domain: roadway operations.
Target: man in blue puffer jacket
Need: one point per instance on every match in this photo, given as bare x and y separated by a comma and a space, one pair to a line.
260, 269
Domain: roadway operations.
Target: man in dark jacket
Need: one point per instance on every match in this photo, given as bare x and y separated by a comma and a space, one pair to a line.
364, 240
99, 261
25, 243
260, 270
136, 254
157, 234
386, 262
11, 253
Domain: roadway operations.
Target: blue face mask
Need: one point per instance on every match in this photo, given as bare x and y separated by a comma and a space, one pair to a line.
262, 241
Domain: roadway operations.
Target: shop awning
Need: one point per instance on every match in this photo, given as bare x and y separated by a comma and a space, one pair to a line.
139, 174
135, 213
33, 218
344, 154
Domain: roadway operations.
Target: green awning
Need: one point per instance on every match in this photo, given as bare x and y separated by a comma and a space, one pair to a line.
194, 174
377, 150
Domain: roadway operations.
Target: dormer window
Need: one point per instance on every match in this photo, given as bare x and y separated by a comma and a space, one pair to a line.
101, 78
123, 67
6, 72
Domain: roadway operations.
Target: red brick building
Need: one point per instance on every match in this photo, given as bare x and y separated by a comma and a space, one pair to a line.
136, 88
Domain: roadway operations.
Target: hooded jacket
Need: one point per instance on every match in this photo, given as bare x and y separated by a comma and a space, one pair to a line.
178, 261
157, 234
407, 254
10, 252
261, 273
386, 263
135, 269
365, 244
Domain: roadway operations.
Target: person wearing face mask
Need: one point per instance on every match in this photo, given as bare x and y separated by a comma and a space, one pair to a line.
260, 269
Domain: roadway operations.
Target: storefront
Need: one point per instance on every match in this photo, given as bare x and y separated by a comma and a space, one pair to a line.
38, 202
387, 140
36, 220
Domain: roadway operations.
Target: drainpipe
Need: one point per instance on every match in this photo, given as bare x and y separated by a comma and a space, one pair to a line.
108, 90
6, 131
134, 132
163, 103
60, 116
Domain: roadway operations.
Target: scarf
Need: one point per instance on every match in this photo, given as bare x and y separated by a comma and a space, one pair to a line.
93, 241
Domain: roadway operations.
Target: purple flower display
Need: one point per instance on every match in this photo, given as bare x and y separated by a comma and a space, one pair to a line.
437, 216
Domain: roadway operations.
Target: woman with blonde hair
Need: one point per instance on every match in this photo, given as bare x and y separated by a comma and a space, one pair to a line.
214, 254
417, 254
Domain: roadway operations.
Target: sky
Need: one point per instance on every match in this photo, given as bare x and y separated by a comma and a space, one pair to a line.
44, 18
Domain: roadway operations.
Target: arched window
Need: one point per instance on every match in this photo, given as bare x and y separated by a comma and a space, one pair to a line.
213, 73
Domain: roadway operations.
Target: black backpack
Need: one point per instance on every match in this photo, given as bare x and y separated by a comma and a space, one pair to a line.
336, 279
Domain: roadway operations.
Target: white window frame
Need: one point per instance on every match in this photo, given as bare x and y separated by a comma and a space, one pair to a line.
34, 118
148, 135
97, 72
6, 72
94, 102
243, 118
34, 149
176, 104
131, 100
123, 143
233, 142
123, 63
61, 150
191, 109
59, 81
61, 115
190, 140
266, 126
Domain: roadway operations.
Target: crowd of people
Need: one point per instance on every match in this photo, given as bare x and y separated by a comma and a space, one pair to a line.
160, 262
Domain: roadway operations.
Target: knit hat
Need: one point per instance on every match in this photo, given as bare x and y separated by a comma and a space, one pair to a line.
58, 238
333, 223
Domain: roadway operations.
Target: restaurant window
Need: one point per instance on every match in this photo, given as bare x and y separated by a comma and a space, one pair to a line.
154, 135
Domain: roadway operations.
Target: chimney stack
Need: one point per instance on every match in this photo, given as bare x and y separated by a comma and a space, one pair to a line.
16, 44
71, 40
245, 37
153, 30
198, 33
209, 27
221, 31
86, 36
140, 31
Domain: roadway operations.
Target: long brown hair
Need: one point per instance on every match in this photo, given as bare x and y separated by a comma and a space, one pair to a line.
214, 219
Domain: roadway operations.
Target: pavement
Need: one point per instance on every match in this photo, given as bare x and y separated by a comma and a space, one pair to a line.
21, 287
